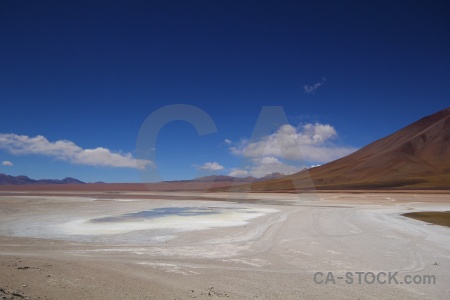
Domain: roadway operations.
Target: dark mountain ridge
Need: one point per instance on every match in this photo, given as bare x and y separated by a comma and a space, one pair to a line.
25, 180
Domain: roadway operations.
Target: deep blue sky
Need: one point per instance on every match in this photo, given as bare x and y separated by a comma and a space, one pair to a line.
91, 73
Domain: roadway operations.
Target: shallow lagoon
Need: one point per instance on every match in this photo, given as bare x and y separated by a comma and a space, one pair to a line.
162, 222
162, 212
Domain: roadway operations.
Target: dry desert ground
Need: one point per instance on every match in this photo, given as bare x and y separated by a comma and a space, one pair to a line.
188, 245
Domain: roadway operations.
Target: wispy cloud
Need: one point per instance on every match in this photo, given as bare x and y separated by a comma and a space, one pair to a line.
68, 151
210, 166
311, 89
7, 163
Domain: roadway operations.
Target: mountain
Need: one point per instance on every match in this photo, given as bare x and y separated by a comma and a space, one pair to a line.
224, 178
415, 157
24, 180
231, 179
271, 176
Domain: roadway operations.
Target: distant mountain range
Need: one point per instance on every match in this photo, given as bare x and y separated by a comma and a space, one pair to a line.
415, 157
231, 179
24, 180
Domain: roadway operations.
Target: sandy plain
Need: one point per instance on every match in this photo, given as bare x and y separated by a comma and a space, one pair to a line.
189, 245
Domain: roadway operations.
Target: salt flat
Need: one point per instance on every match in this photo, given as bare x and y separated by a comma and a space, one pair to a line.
237, 246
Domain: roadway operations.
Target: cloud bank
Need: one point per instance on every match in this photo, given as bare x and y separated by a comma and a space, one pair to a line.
309, 142
305, 145
68, 151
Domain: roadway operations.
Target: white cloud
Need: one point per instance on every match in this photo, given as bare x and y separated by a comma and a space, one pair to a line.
269, 164
68, 151
7, 163
309, 142
311, 89
227, 141
235, 172
262, 166
211, 166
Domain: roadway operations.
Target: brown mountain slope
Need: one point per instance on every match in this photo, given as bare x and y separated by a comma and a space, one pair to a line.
415, 157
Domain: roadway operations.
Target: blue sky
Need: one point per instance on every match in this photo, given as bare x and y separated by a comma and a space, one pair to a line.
78, 80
